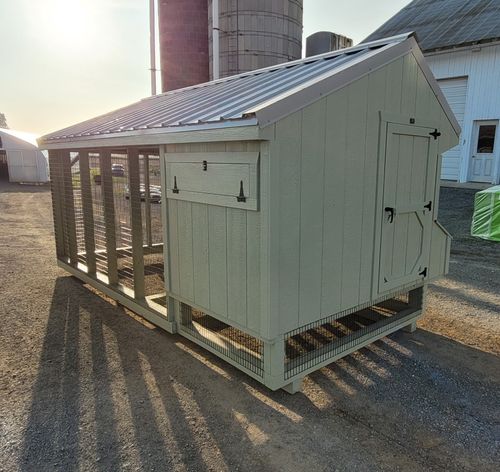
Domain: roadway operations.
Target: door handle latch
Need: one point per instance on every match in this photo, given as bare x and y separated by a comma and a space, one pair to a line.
391, 212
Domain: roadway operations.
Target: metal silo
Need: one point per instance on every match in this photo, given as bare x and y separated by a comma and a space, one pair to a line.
183, 31
326, 41
256, 33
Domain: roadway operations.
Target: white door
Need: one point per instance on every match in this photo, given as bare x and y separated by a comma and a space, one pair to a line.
484, 152
455, 92
409, 184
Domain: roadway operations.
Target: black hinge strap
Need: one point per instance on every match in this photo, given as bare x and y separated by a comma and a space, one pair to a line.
241, 197
435, 133
423, 273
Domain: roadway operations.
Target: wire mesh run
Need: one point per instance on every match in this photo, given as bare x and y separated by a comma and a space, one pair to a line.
78, 206
152, 228
328, 338
98, 213
233, 343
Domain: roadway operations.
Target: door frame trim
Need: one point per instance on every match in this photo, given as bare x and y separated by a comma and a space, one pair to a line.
496, 149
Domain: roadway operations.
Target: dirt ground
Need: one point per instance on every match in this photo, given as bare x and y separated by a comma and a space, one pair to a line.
86, 387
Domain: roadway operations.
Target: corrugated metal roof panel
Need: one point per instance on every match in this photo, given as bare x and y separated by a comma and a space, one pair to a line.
445, 23
223, 101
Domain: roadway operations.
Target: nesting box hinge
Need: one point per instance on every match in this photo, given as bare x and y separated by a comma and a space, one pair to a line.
429, 205
423, 273
241, 197
435, 133
175, 189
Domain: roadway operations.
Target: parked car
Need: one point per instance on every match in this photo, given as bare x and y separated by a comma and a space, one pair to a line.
154, 193
117, 170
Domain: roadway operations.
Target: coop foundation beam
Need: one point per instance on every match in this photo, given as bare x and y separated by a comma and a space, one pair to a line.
109, 216
88, 212
134, 177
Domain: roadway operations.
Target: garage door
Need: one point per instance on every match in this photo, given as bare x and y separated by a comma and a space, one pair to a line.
455, 91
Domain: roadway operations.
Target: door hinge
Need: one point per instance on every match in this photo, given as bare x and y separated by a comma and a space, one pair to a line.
204, 165
435, 133
175, 189
429, 205
241, 197
423, 273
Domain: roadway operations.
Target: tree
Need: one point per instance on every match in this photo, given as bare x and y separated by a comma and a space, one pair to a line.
3, 121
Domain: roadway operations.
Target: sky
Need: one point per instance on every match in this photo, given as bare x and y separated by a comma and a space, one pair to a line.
63, 61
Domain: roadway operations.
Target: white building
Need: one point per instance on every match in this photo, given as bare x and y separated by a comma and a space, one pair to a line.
461, 42
20, 159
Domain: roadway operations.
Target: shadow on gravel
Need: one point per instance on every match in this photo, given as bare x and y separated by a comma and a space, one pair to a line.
158, 401
8, 187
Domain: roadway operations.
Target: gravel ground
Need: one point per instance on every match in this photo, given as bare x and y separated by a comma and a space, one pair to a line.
87, 386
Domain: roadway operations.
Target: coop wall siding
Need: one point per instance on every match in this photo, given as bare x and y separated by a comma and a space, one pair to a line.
215, 252
324, 195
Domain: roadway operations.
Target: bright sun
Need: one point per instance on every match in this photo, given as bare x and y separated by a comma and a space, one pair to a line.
66, 22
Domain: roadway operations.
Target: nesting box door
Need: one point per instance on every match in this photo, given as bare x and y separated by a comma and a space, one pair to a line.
409, 179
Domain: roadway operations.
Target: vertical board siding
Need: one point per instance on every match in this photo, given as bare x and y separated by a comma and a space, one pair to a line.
253, 248
353, 192
236, 231
217, 243
482, 69
333, 215
186, 264
311, 211
287, 190
173, 247
201, 264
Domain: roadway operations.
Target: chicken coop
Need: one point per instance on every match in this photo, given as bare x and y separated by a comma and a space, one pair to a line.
282, 218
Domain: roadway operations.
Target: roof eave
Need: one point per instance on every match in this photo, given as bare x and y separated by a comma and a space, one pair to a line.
230, 130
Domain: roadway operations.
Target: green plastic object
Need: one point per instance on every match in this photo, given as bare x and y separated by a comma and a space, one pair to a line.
486, 218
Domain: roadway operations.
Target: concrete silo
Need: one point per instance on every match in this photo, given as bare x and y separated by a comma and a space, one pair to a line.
183, 29
256, 33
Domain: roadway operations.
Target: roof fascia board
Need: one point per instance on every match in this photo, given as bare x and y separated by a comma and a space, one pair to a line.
424, 67
247, 132
308, 95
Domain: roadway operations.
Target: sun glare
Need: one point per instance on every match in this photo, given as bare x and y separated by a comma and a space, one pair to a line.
67, 23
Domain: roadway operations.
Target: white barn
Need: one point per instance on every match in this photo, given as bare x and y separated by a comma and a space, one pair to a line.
461, 42
20, 159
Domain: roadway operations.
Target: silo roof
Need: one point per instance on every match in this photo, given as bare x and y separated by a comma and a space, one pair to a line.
258, 97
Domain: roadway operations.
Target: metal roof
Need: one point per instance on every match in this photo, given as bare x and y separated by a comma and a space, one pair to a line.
259, 97
445, 23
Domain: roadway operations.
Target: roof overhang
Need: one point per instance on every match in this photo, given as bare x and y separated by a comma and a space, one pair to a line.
238, 130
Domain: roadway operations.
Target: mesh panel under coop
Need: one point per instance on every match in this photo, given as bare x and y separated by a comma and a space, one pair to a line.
309, 345
241, 347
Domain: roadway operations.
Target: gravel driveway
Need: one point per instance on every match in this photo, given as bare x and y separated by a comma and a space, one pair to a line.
86, 385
